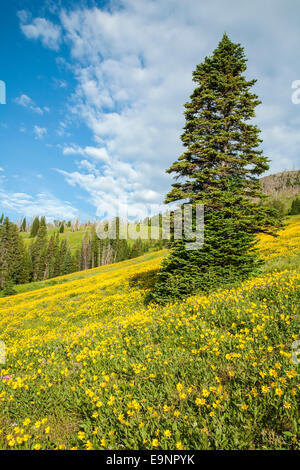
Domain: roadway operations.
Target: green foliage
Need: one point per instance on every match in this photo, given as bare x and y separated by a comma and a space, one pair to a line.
38, 252
23, 225
231, 350
68, 263
35, 227
279, 206
137, 248
295, 209
220, 169
50, 257
13, 259
49, 254
222, 153
227, 256
8, 288
96, 252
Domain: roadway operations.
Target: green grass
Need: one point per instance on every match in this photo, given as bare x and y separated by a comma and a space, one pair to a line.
74, 238
110, 268
289, 261
91, 366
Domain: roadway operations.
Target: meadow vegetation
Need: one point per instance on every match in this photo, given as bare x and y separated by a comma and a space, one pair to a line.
90, 365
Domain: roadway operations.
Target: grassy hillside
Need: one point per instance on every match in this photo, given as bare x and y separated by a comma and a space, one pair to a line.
279, 252
90, 365
74, 238
282, 252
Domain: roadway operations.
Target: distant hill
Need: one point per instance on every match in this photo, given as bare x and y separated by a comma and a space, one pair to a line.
282, 185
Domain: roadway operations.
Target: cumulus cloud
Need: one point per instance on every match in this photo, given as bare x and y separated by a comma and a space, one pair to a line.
36, 205
27, 102
23, 100
40, 132
41, 28
40, 204
99, 154
133, 65
23, 15
111, 192
88, 166
112, 184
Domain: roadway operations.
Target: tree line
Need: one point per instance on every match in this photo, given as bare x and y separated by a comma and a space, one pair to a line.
51, 256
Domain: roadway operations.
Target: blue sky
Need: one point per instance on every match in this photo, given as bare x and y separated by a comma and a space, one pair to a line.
95, 94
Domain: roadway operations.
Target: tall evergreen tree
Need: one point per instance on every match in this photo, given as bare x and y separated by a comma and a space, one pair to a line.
137, 248
13, 260
23, 225
220, 169
35, 227
63, 251
39, 252
50, 257
295, 209
56, 257
68, 262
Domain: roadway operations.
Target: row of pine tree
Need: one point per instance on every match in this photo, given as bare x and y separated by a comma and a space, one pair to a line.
51, 256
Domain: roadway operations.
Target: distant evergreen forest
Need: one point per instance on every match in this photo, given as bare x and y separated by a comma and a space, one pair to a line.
48, 256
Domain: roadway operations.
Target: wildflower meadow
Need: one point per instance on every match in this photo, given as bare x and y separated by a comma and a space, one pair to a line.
90, 365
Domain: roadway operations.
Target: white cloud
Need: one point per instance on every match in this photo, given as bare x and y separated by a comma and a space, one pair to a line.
40, 132
23, 100
40, 204
116, 185
36, 109
43, 203
128, 97
40, 28
133, 64
60, 83
27, 102
23, 15
282, 142
86, 165
99, 154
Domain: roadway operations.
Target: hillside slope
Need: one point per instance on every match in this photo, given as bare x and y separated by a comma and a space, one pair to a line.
285, 184
90, 366
74, 238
